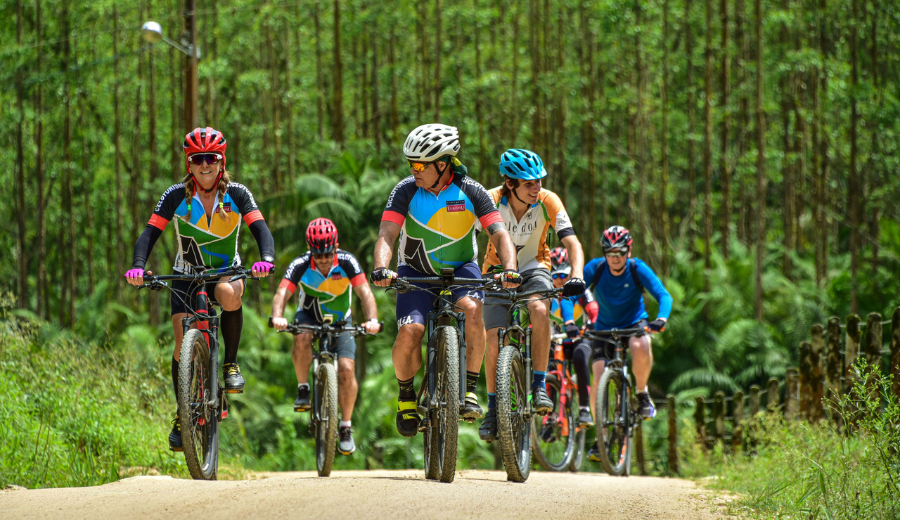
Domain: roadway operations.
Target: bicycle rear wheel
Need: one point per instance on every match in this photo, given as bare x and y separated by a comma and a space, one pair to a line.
612, 423
513, 428
578, 459
199, 421
443, 424
553, 436
326, 417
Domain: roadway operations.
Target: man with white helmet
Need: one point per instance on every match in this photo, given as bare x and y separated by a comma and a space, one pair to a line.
434, 212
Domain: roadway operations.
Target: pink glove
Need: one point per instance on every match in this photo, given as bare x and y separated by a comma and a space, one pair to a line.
135, 276
263, 267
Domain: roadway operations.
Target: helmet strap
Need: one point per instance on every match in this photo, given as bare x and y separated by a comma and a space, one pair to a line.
440, 175
516, 195
215, 184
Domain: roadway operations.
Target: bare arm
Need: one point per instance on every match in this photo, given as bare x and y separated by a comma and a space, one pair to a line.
281, 296
576, 255
384, 247
367, 299
506, 251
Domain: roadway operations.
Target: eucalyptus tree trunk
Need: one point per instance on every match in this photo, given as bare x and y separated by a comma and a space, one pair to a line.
42, 295
760, 165
320, 87
437, 61
743, 127
337, 120
853, 180
707, 145
724, 169
692, 194
483, 174
588, 89
664, 181
22, 266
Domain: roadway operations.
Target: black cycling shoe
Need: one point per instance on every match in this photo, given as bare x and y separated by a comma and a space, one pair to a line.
407, 419
594, 453
234, 383
646, 408
542, 403
471, 410
547, 432
346, 446
488, 429
175, 435
301, 403
585, 419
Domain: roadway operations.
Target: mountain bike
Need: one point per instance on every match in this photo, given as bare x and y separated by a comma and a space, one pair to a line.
616, 407
441, 396
514, 376
201, 397
557, 442
324, 418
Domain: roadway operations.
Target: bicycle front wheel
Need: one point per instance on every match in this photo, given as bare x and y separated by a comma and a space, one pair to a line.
612, 423
199, 421
326, 416
553, 436
513, 426
443, 421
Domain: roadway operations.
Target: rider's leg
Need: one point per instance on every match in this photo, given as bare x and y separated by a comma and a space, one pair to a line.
581, 358
229, 294
540, 338
347, 387
490, 360
641, 361
407, 351
474, 332
598, 367
301, 355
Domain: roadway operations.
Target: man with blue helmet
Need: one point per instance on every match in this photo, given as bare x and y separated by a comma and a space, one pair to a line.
618, 283
528, 212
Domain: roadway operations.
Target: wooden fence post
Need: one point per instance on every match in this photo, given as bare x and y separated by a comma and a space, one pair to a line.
700, 420
834, 370
672, 408
817, 376
754, 401
772, 397
851, 351
873, 340
719, 414
791, 394
737, 419
805, 366
895, 352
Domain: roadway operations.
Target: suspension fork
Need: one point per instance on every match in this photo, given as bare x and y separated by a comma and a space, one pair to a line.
431, 359
209, 326
461, 334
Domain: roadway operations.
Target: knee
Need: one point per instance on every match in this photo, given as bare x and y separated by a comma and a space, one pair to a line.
409, 336
230, 301
640, 346
538, 311
582, 354
346, 370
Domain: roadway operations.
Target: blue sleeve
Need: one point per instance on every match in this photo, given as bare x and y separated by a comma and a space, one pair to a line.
653, 284
567, 309
590, 269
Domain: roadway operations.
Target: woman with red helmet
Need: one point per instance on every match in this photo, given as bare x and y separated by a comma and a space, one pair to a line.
324, 277
206, 209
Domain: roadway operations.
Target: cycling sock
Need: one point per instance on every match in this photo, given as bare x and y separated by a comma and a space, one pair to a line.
231, 324
471, 380
538, 380
302, 385
492, 401
584, 408
175, 377
643, 390
407, 391
581, 357
345, 424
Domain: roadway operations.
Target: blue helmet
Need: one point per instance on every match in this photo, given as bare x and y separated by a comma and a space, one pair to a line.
522, 164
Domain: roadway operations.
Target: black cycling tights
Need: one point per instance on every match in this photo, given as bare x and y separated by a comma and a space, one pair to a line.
231, 324
581, 359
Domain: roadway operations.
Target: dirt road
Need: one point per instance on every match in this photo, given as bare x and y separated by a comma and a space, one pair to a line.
369, 494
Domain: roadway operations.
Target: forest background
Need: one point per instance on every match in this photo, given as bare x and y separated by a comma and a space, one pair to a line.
750, 146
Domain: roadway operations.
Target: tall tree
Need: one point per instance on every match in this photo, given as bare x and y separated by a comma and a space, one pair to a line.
707, 142
42, 293
438, 41
20, 170
337, 120
664, 181
724, 167
852, 179
760, 166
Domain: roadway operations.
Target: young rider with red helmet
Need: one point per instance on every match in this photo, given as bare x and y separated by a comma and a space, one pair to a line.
325, 275
618, 283
206, 209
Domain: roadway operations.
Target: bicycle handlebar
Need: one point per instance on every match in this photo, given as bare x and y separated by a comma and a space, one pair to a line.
513, 296
353, 330
602, 334
157, 281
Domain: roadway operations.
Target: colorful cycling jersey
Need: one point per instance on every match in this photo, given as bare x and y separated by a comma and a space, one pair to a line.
530, 233
581, 310
439, 230
621, 303
202, 241
322, 294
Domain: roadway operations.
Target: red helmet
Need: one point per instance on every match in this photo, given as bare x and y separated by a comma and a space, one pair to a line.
204, 140
321, 236
559, 257
616, 237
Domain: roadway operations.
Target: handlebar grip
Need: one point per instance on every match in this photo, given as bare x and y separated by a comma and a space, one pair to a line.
271, 323
380, 326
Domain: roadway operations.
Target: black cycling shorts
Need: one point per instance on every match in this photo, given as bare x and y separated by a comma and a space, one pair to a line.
183, 295
604, 350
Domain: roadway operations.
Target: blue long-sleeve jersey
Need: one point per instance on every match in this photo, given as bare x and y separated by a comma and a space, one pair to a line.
620, 302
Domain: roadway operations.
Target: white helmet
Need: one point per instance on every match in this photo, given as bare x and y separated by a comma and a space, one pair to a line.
432, 141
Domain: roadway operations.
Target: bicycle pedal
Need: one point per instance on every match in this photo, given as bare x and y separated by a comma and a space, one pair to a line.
421, 410
176, 450
234, 390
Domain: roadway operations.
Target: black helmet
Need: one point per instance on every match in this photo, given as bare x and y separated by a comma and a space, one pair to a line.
616, 237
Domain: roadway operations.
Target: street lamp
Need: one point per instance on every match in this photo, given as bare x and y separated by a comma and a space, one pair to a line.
152, 32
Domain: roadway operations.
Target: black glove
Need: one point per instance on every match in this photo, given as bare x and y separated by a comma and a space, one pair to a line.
572, 330
656, 326
574, 287
382, 273
511, 276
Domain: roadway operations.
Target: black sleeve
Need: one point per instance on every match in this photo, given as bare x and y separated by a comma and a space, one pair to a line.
144, 245
400, 198
297, 268
264, 240
242, 198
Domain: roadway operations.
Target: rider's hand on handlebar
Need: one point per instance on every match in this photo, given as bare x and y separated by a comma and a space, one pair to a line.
279, 323
511, 279
574, 287
135, 277
656, 326
372, 326
382, 276
572, 330
262, 269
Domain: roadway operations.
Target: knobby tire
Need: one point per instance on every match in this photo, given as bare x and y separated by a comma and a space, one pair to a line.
557, 454
513, 430
199, 423
443, 426
613, 439
326, 408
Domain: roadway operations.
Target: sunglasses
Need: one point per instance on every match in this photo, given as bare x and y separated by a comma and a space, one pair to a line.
323, 255
616, 254
418, 166
559, 276
208, 158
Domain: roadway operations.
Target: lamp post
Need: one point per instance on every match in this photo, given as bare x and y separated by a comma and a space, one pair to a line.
152, 33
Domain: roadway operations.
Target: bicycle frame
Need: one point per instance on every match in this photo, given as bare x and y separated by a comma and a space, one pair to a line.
564, 376
618, 338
